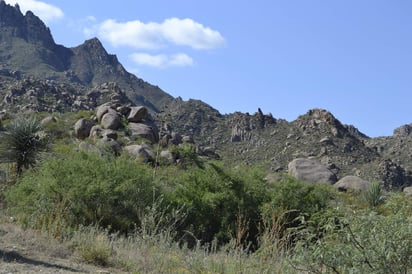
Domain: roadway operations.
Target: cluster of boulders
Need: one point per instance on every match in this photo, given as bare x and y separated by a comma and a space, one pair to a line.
136, 128
112, 120
50, 96
313, 171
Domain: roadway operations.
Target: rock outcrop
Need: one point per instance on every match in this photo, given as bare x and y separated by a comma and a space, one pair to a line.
352, 184
403, 131
311, 170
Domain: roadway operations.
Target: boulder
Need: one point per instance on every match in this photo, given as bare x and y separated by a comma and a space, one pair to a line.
109, 133
167, 155
85, 146
82, 128
109, 145
144, 131
311, 170
352, 184
48, 120
137, 114
111, 120
124, 110
102, 110
140, 152
188, 139
408, 191
96, 132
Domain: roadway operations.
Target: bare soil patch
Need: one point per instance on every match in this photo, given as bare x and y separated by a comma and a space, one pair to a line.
29, 251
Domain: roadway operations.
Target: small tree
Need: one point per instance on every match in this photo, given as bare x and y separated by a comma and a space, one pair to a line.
20, 143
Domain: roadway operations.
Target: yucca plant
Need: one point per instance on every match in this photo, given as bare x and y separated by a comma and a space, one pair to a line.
21, 144
374, 195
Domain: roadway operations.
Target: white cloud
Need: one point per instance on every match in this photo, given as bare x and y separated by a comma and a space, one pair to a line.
190, 33
162, 60
45, 11
133, 33
153, 35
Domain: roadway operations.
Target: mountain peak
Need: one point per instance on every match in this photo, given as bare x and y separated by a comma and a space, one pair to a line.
316, 119
29, 27
93, 43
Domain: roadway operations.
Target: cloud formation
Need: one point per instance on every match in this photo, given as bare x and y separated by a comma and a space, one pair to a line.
153, 35
45, 11
162, 60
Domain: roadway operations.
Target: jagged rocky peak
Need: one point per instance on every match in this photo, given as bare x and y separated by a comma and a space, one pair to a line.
403, 131
95, 49
243, 124
93, 44
322, 119
28, 27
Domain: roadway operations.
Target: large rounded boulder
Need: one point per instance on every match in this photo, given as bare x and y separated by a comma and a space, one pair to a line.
141, 152
144, 131
352, 184
82, 128
311, 170
137, 114
111, 120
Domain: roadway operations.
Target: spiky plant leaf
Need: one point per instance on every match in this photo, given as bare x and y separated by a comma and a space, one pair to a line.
20, 143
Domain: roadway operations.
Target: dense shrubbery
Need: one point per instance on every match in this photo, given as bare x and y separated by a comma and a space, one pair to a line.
366, 243
80, 188
306, 224
216, 198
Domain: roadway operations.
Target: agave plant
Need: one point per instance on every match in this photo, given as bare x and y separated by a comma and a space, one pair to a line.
374, 195
21, 144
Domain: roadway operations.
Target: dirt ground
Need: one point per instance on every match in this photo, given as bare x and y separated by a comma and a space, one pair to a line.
28, 251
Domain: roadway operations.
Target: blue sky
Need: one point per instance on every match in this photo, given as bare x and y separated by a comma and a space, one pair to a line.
351, 57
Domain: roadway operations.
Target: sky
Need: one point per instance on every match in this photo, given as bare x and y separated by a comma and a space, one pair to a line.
351, 57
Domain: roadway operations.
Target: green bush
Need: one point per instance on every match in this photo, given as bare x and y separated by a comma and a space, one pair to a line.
298, 201
79, 188
367, 243
216, 198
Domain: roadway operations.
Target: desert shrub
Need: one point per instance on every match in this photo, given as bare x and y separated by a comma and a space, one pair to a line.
186, 154
93, 245
367, 243
79, 188
298, 201
216, 197
396, 203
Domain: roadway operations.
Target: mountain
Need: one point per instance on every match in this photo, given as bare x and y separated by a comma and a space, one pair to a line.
27, 47
38, 75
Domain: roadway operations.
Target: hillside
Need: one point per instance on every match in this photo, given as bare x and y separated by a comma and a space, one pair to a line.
37, 75
102, 172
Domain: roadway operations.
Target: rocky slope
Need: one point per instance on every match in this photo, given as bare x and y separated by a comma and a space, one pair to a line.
38, 75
